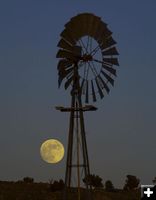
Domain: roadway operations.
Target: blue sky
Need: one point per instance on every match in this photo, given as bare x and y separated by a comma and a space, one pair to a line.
121, 134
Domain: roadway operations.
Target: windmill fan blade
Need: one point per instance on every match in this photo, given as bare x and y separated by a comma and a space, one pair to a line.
59, 81
102, 33
101, 28
83, 24
111, 61
72, 26
77, 26
79, 21
111, 51
99, 88
110, 69
104, 84
65, 45
108, 77
82, 86
67, 36
64, 73
89, 21
106, 33
77, 50
93, 91
62, 76
68, 82
64, 63
86, 99
92, 24
108, 43
65, 54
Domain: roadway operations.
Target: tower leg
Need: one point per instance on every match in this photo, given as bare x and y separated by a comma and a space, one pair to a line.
69, 153
85, 151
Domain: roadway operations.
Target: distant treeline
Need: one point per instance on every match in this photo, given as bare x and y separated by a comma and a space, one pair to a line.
95, 181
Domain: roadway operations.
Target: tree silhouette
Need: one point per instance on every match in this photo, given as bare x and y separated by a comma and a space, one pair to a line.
154, 181
131, 183
109, 186
93, 180
28, 180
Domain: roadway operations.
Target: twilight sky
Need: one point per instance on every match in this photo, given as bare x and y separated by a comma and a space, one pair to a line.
121, 134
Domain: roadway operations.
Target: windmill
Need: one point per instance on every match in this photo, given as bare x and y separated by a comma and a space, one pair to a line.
87, 56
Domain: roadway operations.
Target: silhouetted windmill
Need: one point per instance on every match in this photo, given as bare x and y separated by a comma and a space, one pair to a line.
86, 54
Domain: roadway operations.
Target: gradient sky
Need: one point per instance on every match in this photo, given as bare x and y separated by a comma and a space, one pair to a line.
121, 134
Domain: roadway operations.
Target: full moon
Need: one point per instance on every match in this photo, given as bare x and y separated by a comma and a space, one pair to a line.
52, 151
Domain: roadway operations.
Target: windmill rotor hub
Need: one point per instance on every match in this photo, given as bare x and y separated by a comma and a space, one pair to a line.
87, 57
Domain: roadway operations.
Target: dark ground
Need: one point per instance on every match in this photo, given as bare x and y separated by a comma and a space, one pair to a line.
41, 191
